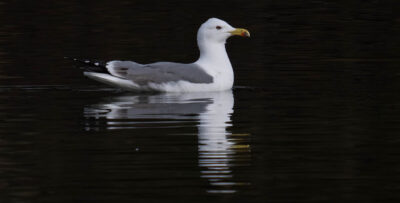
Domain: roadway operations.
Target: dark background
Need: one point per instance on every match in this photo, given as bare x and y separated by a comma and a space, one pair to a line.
316, 86
37, 34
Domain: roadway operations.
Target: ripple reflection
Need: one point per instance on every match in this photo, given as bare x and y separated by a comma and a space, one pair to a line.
219, 150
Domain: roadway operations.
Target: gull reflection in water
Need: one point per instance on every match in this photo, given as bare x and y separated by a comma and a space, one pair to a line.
218, 149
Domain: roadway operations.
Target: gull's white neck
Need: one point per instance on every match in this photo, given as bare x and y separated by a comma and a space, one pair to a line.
215, 61
214, 53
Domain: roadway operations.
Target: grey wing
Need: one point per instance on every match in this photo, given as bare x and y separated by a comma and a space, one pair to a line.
160, 72
121, 68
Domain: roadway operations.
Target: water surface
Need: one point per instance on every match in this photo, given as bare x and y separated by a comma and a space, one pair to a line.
314, 114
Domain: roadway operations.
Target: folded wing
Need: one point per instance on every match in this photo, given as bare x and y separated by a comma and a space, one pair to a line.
160, 72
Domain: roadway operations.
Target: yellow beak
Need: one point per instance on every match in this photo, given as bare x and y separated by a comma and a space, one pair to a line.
240, 32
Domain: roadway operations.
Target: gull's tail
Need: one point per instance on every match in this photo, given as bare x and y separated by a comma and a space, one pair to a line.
98, 71
90, 65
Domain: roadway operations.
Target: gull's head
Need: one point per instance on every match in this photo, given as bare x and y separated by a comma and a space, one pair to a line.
217, 31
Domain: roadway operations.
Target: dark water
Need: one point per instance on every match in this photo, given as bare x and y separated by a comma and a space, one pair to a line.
314, 115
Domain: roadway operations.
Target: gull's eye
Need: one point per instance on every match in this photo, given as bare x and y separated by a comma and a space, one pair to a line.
218, 27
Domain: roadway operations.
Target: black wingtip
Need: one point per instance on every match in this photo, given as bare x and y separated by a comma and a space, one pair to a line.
89, 65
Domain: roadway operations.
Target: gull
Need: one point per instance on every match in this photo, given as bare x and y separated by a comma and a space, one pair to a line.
211, 72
